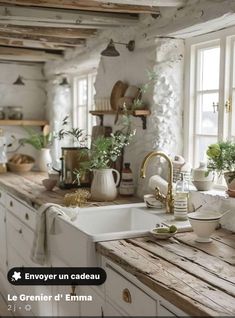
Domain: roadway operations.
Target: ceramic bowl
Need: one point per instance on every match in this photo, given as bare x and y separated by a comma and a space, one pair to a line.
49, 184
203, 185
161, 236
151, 201
203, 226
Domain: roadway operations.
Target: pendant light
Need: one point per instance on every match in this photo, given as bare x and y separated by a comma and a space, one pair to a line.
112, 51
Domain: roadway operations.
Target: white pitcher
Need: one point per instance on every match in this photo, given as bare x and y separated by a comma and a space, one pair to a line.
44, 158
103, 186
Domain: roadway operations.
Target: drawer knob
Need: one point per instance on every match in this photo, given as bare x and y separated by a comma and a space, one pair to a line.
20, 231
26, 216
73, 288
11, 203
0, 194
126, 296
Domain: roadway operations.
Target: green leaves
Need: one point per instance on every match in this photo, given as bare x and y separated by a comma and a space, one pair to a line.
37, 140
78, 134
221, 157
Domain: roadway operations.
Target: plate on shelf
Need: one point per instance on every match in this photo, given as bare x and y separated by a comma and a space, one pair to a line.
118, 91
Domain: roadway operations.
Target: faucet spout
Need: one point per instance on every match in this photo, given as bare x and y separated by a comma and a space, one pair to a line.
168, 200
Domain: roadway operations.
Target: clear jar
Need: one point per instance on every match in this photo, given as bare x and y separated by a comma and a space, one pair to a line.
15, 112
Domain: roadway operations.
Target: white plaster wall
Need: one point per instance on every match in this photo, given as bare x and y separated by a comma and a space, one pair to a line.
32, 97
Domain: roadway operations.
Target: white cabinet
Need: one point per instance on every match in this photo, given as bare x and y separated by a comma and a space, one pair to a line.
94, 308
3, 246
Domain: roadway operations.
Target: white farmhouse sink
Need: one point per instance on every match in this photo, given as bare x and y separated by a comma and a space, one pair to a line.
117, 222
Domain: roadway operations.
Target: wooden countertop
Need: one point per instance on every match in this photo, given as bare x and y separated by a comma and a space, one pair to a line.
198, 278
28, 187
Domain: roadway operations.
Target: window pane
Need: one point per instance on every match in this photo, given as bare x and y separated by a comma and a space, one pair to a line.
82, 117
233, 114
202, 144
209, 64
207, 115
82, 92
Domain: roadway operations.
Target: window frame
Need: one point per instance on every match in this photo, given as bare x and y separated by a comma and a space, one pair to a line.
226, 38
90, 77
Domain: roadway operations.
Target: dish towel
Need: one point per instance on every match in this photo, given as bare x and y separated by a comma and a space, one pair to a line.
38, 252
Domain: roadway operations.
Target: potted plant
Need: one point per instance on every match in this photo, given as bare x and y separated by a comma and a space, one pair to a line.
221, 159
103, 153
73, 156
41, 142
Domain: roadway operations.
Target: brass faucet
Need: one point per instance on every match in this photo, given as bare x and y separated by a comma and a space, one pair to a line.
167, 199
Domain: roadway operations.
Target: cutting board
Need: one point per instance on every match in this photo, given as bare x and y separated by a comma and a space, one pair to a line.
98, 131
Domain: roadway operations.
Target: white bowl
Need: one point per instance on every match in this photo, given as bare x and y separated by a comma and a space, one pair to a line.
152, 202
203, 185
203, 228
205, 215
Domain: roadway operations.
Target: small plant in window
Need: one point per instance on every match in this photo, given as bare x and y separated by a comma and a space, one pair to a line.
78, 135
221, 159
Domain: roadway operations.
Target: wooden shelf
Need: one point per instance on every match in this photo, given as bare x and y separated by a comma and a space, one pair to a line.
12, 122
142, 113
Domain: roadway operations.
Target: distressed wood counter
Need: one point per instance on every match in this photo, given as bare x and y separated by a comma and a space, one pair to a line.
28, 187
197, 278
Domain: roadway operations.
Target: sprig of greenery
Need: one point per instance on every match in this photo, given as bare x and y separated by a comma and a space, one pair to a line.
221, 157
37, 140
76, 133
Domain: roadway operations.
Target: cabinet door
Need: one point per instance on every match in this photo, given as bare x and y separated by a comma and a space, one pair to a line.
93, 308
67, 307
110, 311
3, 249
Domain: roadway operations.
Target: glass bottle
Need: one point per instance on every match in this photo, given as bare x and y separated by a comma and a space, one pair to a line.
181, 199
127, 184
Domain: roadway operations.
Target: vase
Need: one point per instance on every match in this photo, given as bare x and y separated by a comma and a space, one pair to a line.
44, 159
230, 180
103, 186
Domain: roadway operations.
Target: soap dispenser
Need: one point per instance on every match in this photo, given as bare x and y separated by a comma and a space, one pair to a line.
181, 199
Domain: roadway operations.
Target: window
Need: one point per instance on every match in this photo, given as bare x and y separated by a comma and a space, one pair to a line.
210, 92
84, 92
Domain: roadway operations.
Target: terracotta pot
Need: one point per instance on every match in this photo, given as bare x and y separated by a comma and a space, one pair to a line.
230, 179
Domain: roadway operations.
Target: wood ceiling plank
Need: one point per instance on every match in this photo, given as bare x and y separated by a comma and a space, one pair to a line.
157, 3
26, 55
43, 38
49, 31
88, 5
32, 44
65, 17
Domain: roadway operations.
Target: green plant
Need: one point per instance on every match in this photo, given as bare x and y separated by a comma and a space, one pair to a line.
38, 140
221, 157
77, 134
152, 79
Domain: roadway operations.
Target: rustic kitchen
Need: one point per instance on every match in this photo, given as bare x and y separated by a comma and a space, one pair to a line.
117, 158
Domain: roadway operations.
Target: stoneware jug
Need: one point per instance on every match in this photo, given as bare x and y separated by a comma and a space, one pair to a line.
44, 159
103, 186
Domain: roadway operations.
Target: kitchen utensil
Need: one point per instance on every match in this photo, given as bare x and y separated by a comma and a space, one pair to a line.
49, 184
203, 185
162, 236
118, 91
152, 202
203, 228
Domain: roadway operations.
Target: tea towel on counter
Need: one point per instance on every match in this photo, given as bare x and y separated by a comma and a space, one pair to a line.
38, 252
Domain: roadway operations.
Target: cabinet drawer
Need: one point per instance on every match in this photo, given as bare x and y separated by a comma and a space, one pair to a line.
127, 296
21, 211
20, 238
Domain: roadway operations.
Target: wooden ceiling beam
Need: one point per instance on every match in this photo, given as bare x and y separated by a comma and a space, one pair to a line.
26, 55
87, 5
48, 31
32, 44
155, 3
43, 38
65, 18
